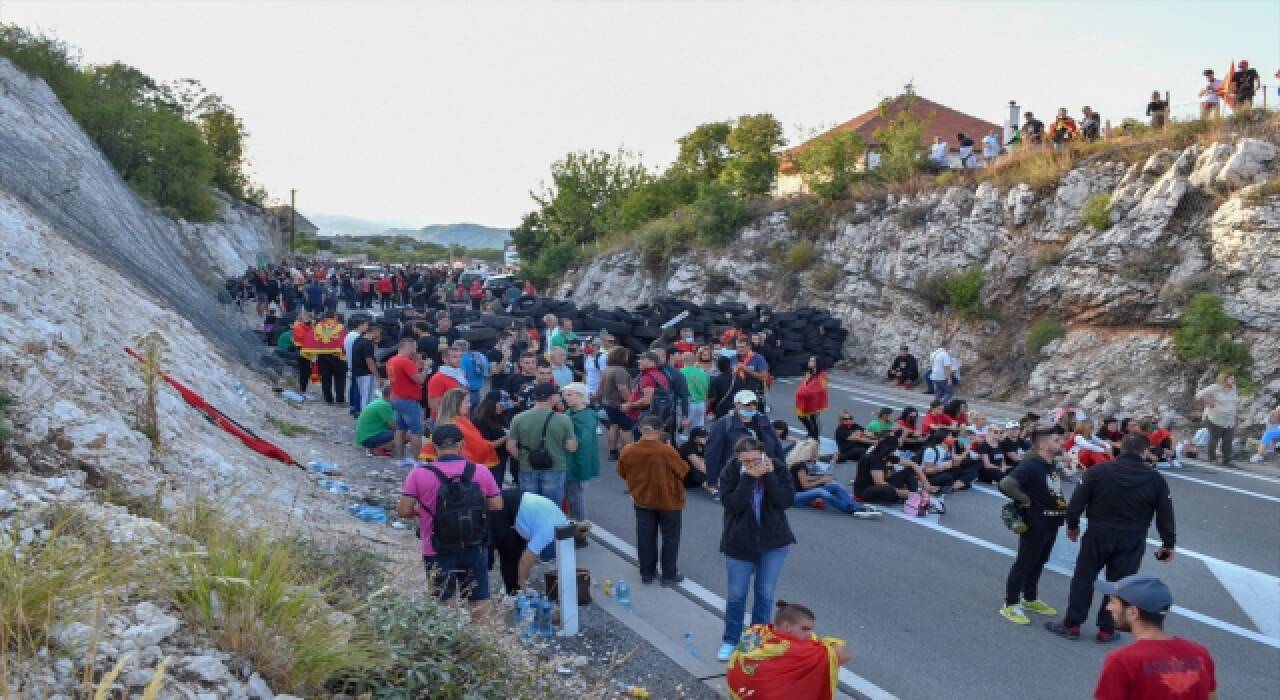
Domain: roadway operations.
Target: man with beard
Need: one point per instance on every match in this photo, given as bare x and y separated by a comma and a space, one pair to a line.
1037, 492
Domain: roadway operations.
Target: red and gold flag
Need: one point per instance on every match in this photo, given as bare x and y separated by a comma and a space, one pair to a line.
783, 667
325, 338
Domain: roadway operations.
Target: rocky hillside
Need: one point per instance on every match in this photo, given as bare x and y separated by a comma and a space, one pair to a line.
1195, 219
61, 179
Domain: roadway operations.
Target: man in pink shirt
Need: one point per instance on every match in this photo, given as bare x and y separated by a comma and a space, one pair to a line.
455, 551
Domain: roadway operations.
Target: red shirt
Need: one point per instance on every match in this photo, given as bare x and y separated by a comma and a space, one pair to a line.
400, 371
477, 290
438, 384
1157, 669
384, 285
935, 421
652, 377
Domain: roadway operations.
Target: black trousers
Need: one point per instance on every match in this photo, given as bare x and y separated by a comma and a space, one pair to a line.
1034, 547
852, 452
333, 378
1120, 552
507, 545
649, 522
304, 374
811, 425
888, 492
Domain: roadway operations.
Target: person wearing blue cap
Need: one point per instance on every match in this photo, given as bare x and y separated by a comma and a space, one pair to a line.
1156, 664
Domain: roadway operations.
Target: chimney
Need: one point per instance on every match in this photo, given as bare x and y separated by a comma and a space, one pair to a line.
1015, 116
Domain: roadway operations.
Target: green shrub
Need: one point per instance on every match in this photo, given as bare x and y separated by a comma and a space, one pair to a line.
826, 276
913, 216
800, 256
1048, 257
1097, 212
964, 294
1206, 337
1259, 194
810, 218
1200, 282
553, 261
1043, 332
716, 215
6, 402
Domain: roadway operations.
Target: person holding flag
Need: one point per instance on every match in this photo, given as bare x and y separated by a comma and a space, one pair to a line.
323, 346
786, 659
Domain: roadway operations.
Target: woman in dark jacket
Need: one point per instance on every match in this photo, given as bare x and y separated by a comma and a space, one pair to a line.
755, 491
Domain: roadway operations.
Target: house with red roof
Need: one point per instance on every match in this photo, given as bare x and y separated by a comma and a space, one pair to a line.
939, 121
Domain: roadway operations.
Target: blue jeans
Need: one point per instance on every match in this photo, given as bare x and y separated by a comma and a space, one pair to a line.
377, 440
353, 396
459, 573
547, 483
944, 390
408, 415
576, 493
767, 567
833, 494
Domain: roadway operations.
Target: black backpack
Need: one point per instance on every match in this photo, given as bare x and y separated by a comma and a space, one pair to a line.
662, 404
461, 517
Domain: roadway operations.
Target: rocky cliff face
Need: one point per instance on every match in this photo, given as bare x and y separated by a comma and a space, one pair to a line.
1181, 221
57, 173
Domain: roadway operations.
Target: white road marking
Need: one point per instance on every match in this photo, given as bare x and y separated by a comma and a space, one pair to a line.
1224, 487
862, 686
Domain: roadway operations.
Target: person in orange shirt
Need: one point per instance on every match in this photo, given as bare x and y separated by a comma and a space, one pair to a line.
812, 396
455, 410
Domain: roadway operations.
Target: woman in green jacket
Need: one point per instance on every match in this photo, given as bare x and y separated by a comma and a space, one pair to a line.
582, 465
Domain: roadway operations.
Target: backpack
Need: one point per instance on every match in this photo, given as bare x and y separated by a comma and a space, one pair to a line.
917, 503
461, 518
477, 369
662, 404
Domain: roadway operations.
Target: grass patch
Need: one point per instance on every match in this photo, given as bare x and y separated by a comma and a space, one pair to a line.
1259, 194
289, 429
964, 294
826, 276
1205, 281
1097, 212
1048, 257
811, 219
6, 402
1043, 332
913, 216
261, 600
800, 256
1149, 264
147, 506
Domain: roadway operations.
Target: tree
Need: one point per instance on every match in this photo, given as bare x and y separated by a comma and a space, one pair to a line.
704, 151
830, 164
753, 163
901, 152
1206, 337
717, 214
225, 134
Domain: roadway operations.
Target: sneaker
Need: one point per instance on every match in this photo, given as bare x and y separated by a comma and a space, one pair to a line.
865, 512
1039, 607
819, 504
726, 650
1014, 614
1105, 637
646, 580
1071, 632
1256, 459
672, 581
715, 495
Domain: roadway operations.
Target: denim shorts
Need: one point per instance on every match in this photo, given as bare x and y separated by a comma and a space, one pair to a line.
408, 415
466, 572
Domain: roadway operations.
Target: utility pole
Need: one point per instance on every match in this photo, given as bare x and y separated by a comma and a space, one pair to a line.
293, 221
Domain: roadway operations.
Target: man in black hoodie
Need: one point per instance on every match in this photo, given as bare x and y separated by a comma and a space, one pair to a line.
1035, 488
1119, 498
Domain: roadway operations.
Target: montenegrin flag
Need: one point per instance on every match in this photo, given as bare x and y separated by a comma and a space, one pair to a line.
325, 338
778, 666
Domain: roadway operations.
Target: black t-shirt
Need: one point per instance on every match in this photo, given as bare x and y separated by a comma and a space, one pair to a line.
491, 429
1242, 83
361, 351
844, 435
966, 141
994, 453
691, 447
429, 346
1039, 481
518, 388
1011, 446
863, 480
695, 477
1156, 106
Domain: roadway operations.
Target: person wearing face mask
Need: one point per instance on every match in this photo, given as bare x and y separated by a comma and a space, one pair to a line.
909, 421
685, 343
752, 369
821, 490
744, 421
937, 461
852, 440
1036, 490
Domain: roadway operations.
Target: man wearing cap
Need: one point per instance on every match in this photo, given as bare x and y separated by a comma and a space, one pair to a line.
450, 571
1036, 489
1156, 664
542, 427
745, 421
1120, 498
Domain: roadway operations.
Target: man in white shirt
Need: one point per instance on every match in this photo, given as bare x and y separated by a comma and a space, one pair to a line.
990, 146
1210, 96
938, 152
355, 329
940, 373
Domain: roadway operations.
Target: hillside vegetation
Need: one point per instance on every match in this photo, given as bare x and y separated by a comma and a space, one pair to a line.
171, 142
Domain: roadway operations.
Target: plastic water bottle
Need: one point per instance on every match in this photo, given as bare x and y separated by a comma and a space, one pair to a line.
333, 486
688, 644
518, 610
240, 390
321, 467
608, 588
368, 513
623, 594
545, 628
530, 618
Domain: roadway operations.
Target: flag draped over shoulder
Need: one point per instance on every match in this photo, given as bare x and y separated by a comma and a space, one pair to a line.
325, 338
1228, 95
781, 666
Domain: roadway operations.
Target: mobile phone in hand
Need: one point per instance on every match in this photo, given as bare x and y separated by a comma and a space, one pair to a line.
1162, 554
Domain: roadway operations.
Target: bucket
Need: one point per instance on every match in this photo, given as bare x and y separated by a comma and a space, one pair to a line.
552, 586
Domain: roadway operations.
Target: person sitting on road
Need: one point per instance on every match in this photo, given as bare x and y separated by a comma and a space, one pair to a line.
909, 420
783, 431
694, 451
978, 421
958, 411
937, 461
1086, 448
1161, 440
376, 426
885, 477
1270, 436
995, 463
820, 490
1111, 434
937, 418
882, 423
905, 370
852, 441
786, 659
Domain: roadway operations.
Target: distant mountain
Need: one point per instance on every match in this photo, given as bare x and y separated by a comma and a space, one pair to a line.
465, 235
339, 225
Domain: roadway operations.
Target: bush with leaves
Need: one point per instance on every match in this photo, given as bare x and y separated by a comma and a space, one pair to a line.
830, 164
826, 276
753, 142
1206, 337
1097, 212
553, 261
964, 294
716, 215
810, 218
901, 154
1043, 332
913, 216
800, 256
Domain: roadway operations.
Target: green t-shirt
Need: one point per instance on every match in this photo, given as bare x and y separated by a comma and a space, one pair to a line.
526, 430
285, 340
561, 339
375, 418
698, 381
879, 426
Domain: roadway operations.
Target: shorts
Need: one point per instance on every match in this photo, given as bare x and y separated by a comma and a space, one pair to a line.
378, 439
619, 418
466, 572
408, 415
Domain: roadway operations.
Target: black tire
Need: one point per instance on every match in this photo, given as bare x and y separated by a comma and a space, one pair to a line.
615, 327
478, 334
792, 346
635, 345
646, 332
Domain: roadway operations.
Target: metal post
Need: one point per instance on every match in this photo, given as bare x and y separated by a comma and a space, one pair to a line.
567, 563
293, 221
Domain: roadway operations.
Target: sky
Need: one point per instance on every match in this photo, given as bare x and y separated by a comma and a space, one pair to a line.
416, 113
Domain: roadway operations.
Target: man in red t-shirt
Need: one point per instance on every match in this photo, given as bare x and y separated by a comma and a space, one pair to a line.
448, 377
935, 419
650, 380
1157, 665
406, 372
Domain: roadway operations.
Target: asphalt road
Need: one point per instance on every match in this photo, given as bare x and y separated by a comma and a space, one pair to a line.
917, 599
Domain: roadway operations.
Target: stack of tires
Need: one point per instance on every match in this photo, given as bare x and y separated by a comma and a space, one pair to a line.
800, 334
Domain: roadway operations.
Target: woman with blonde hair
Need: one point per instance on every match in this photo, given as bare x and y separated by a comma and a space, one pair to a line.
818, 489
455, 409
1087, 448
